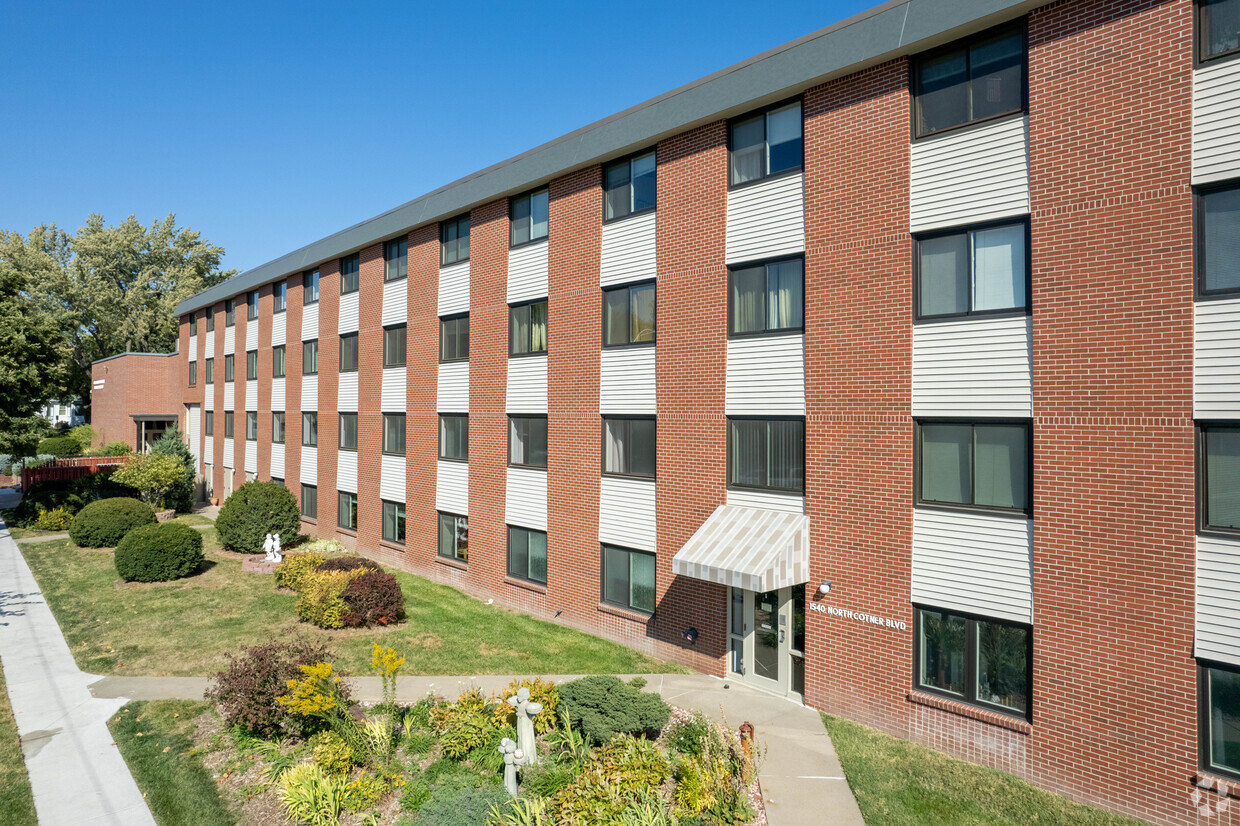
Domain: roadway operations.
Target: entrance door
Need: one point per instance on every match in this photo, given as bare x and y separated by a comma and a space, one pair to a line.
766, 637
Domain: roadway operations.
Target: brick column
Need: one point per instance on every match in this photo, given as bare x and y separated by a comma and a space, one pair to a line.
369, 388
266, 305
421, 387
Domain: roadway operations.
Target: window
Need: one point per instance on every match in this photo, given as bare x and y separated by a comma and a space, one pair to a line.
210, 371
310, 287
228, 424
348, 353
767, 453
1218, 239
527, 328
229, 368
193, 373
454, 537
454, 338
454, 241
348, 431
394, 522
454, 437
628, 446
277, 428
1218, 474
628, 315
310, 429
981, 661
208, 422
277, 480
974, 465
350, 270
346, 511
230, 312
210, 314
1218, 28
628, 578
527, 554
971, 80
251, 426
395, 259
309, 502
394, 346
527, 441
527, 215
309, 357
251, 305
766, 298
629, 187
251, 364
279, 294
394, 433
765, 144
972, 272
1219, 713
277, 362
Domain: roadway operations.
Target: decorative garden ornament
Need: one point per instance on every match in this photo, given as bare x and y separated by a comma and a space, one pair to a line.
279, 556
268, 546
525, 726
271, 547
511, 761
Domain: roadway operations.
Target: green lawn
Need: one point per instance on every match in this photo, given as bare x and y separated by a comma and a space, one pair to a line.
183, 628
16, 802
898, 783
27, 533
193, 519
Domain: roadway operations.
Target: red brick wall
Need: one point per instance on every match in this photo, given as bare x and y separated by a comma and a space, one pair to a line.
139, 384
421, 383
369, 388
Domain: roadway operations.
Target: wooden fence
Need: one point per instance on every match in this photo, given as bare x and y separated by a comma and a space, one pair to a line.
68, 469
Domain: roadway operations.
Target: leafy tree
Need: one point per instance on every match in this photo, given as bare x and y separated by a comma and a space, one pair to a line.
181, 495
153, 475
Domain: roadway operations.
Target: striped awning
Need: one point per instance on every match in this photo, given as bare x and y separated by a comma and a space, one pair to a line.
751, 548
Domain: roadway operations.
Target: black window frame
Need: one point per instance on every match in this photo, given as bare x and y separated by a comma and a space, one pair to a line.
306, 346
209, 313
310, 428
251, 364
346, 503
439, 529
230, 367
602, 585
279, 366
508, 439
193, 373
765, 331
1202, 469
1203, 716
914, 84
522, 305
350, 273
395, 259
399, 521
455, 243
968, 229
731, 485
391, 331
627, 288
404, 438
341, 418
1200, 193
439, 432
628, 458
508, 560
456, 336
251, 305
230, 312
309, 286
279, 297
528, 196
919, 423
627, 161
1201, 32
251, 425
229, 424
209, 378
313, 511
277, 427
969, 697
350, 343
765, 111
208, 422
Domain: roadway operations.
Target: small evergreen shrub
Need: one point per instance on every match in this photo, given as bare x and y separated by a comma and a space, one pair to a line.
57, 519
158, 553
254, 510
83, 434
114, 449
320, 598
602, 706
454, 804
292, 571
374, 598
348, 563
62, 447
245, 691
104, 523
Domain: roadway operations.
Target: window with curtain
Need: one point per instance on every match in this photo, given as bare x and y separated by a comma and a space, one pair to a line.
350, 273
528, 217
973, 271
767, 453
193, 373
971, 80
229, 368
395, 259
527, 441
346, 511
454, 338
210, 368
454, 241
629, 578
277, 428
527, 554
251, 426
251, 305
309, 501
766, 298
628, 315
454, 437
394, 522
348, 353
970, 464
629, 446
976, 660
310, 429
348, 431
1218, 28
1218, 244
279, 294
394, 344
527, 328
454, 536
251, 364
309, 357
629, 186
765, 143
394, 433
1219, 458
310, 287
277, 362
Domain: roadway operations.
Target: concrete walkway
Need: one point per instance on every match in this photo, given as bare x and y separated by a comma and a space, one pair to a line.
76, 773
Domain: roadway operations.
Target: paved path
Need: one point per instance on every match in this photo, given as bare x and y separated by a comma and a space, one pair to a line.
76, 773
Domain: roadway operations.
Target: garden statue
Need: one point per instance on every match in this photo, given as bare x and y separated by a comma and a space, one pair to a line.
512, 757
525, 726
279, 556
271, 547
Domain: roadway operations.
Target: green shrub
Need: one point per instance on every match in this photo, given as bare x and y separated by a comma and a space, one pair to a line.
541, 691
545, 779
180, 495
322, 547
451, 804
57, 519
245, 692
292, 571
153, 475
419, 742
603, 706
348, 563
62, 447
104, 523
690, 735
254, 510
309, 794
158, 553
331, 752
84, 435
320, 601
72, 495
114, 449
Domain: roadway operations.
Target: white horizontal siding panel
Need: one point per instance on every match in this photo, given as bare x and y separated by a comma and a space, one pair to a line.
527, 272
346, 471
309, 465
208, 450
251, 457
454, 288
974, 367
277, 394
230, 339
392, 393
971, 175
392, 478
310, 393
208, 346
628, 250
277, 461
1216, 121
525, 499
346, 397
251, 334
310, 322
626, 513
766, 219
251, 395
1218, 599
1216, 359
527, 385
348, 312
193, 431
766, 376
229, 453
192, 352
395, 302
767, 500
208, 398
627, 381
279, 329
452, 488
452, 395
230, 395
974, 562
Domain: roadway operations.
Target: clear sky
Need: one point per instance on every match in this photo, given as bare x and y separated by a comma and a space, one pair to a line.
267, 125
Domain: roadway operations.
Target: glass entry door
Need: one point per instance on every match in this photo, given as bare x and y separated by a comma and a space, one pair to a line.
766, 633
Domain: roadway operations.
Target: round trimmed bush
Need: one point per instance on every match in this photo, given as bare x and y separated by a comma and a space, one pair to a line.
374, 598
62, 447
104, 523
254, 510
158, 553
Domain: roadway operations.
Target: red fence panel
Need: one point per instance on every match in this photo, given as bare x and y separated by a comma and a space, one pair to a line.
68, 469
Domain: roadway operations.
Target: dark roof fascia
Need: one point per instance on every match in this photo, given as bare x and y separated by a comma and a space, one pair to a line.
151, 355
894, 29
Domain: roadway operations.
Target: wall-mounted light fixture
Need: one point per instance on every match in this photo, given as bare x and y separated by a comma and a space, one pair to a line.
825, 587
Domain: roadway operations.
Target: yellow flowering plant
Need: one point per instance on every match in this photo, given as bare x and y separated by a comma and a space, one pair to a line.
386, 663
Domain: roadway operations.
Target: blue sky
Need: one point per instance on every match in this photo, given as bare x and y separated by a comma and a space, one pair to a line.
268, 125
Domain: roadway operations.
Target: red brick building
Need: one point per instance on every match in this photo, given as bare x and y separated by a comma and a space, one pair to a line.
893, 370
138, 396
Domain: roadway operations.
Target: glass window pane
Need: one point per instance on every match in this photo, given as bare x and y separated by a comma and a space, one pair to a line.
641, 315
538, 442
281, 296
785, 298
642, 446
616, 198
943, 91
538, 556
748, 291
518, 552
394, 347
748, 150
946, 463
615, 439
616, 317
518, 439
1001, 466
461, 529
999, 268
1222, 477
786, 455
520, 221
995, 67
538, 214
644, 177
1223, 689
309, 501
519, 330
277, 361
1221, 241
1220, 21
783, 137
348, 353
1002, 665
538, 327
942, 651
348, 431
445, 535
394, 434
277, 428
943, 269
615, 576
641, 582
748, 459
462, 240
